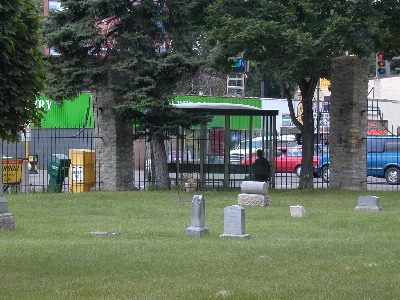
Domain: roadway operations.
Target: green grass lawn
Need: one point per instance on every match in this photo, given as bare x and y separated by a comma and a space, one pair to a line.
334, 252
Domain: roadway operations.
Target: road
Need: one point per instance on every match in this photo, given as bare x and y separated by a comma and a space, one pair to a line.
38, 182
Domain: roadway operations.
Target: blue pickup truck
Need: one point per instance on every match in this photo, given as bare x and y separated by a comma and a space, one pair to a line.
383, 159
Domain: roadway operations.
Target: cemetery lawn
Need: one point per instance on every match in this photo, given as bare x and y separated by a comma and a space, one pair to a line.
334, 252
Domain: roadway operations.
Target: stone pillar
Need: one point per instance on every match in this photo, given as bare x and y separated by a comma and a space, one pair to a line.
348, 123
113, 144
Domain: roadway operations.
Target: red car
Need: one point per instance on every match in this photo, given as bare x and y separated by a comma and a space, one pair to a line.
287, 160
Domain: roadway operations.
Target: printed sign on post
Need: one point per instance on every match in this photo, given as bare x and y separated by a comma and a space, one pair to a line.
12, 170
77, 174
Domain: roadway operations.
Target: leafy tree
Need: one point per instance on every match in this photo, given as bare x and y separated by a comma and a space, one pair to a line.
21, 71
298, 39
257, 74
138, 50
39, 5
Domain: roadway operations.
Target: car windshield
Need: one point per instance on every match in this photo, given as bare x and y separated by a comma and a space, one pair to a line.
255, 144
294, 152
291, 152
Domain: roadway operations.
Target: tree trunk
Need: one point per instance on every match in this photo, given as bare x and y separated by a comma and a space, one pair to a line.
161, 175
307, 88
306, 128
307, 134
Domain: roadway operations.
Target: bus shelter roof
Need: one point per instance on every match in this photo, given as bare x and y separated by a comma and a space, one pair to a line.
226, 109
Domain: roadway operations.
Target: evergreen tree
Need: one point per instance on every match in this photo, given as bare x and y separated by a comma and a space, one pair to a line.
21, 70
138, 50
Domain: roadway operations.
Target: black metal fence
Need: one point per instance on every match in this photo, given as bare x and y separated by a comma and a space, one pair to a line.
212, 168
39, 148
220, 170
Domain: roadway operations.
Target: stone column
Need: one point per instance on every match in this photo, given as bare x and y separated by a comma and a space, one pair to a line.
114, 145
348, 121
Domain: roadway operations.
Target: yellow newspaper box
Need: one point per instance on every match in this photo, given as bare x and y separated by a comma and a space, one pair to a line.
12, 170
81, 176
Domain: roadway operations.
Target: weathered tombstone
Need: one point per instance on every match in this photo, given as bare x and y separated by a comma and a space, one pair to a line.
3, 204
7, 220
297, 211
368, 202
198, 227
234, 222
253, 193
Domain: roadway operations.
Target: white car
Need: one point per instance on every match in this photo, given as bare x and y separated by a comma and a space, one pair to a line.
237, 155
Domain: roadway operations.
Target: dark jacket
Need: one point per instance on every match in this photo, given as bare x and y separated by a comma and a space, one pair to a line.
261, 169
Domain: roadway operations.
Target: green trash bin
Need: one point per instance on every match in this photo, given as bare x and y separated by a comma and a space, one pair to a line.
57, 168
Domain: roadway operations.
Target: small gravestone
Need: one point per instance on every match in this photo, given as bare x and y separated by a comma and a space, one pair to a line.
297, 211
7, 220
234, 222
3, 205
368, 202
253, 193
198, 227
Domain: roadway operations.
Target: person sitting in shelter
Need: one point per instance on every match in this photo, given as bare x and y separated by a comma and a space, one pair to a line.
261, 167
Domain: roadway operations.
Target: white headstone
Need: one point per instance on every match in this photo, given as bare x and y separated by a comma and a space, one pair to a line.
234, 222
368, 202
198, 227
297, 211
254, 187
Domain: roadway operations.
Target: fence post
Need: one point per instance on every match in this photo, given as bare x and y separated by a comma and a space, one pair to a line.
25, 184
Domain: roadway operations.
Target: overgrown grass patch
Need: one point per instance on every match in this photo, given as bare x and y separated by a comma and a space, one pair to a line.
334, 252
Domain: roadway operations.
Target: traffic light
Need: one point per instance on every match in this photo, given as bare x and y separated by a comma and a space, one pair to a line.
380, 65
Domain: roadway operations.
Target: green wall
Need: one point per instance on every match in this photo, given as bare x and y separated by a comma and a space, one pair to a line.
75, 113
78, 112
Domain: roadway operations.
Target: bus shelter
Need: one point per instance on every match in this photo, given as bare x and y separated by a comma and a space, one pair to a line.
266, 130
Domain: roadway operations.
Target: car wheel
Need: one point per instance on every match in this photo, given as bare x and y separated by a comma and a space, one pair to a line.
298, 170
392, 175
325, 173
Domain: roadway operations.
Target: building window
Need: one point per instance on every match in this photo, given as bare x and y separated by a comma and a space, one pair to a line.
54, 5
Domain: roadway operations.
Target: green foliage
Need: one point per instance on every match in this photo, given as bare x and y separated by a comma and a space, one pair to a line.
297, 40
21, 71
334, 252
139, 50
258, 73
387, 24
